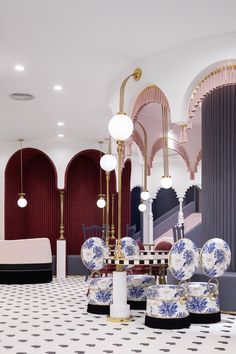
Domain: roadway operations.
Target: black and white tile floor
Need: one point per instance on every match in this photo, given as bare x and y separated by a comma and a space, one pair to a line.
52, 319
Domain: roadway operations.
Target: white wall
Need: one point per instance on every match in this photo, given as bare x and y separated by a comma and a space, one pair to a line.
176, 71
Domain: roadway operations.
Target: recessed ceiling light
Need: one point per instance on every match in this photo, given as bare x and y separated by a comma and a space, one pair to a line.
19, 67
60, 124
60, 135
58, 88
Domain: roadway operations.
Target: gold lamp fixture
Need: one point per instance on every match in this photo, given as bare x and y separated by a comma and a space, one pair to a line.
101, 203
120, 128
166, 180
108, 163
21, 202
145, 193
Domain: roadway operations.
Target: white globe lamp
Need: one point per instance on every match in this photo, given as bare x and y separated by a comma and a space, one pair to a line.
22, 202
145, 195
120, 127
108, 162
101, 203
166, 182
142, 207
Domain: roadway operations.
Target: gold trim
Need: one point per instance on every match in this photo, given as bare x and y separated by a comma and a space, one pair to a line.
118, 319
62, 228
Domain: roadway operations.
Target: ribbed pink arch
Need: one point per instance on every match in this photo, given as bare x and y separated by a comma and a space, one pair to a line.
150, 94
221, 76
197, 160
173, 145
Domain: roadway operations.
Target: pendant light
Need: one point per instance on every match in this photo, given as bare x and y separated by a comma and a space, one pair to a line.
101, 203
21, 202
166, 180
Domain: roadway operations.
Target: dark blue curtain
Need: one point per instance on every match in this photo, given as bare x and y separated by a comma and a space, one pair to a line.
135, 213
219, 166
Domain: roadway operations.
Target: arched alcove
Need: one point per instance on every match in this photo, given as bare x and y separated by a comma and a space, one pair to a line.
126, 197
166, 199
41, 216
81, 194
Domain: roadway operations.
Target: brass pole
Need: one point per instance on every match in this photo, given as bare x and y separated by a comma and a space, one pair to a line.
112, 217
107, 207
136, 74
145, 154
62, 215
119, 251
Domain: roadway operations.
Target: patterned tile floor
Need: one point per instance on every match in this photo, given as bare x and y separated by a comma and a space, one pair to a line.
52, 319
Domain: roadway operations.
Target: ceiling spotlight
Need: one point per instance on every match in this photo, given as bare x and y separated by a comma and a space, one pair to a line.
58, 88
60, 124
60, 135
19, 67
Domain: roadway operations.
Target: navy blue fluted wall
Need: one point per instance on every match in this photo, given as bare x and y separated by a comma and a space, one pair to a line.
219, 166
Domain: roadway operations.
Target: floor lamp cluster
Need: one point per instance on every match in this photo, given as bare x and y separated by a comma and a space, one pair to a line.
120, 128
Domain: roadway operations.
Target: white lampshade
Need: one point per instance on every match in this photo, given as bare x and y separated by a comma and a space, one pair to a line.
166, 182
22, 202
145, 195
120, 127
101, 203
142, 207
108, 162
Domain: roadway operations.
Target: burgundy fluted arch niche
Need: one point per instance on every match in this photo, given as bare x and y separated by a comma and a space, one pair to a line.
81, 194
41, 216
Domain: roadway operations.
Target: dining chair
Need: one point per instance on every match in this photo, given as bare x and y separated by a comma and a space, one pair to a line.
93, 251
130, 230
167, 304
203, 301
137, 284
178, 232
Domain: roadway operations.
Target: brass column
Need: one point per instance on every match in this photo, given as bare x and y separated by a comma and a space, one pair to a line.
119, 150
62, 229
107, 207
112, 217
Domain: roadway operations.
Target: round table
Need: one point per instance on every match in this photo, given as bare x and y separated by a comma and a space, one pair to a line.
119, 309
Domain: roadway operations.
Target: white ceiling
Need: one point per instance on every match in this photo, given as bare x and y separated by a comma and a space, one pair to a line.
83, 45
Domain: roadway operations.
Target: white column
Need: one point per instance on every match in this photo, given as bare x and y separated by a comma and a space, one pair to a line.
145, 223
180, 214
61, 259
150, 222
119, 309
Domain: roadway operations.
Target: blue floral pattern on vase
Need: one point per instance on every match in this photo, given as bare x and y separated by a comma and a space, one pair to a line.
163, 301
100, 291
200, 300
215, 257
183, 259
93, 252
138, 286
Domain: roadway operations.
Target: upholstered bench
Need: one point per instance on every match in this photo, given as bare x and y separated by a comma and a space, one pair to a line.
25, 261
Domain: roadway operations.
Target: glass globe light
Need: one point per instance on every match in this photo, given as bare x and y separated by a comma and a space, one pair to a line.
166, 182
22, 202
145, 195
101, 203
108, 162
120, 127
142, 207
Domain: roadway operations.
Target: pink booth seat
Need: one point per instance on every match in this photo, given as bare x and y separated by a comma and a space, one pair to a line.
25, 261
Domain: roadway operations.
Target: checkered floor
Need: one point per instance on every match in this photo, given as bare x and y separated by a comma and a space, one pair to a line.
52, 319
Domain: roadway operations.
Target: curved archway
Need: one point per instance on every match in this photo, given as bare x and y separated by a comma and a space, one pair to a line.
217, 75
81, 194
165, 200
41, 217
173, 145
